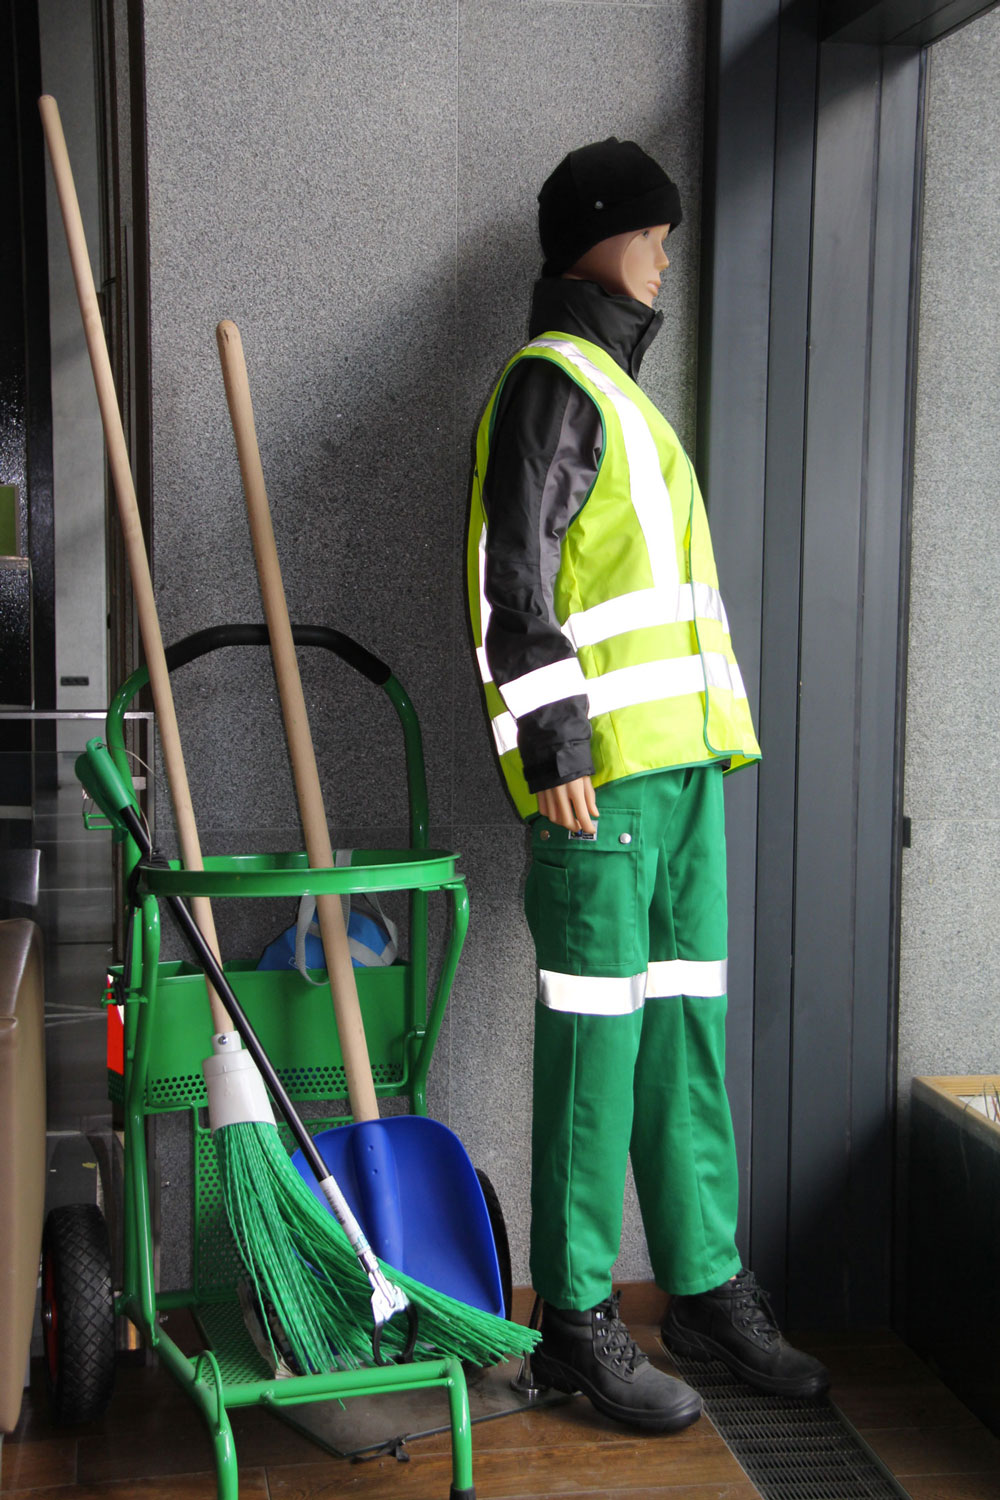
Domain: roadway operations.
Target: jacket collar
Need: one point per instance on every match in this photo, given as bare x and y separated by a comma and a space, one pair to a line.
619, 324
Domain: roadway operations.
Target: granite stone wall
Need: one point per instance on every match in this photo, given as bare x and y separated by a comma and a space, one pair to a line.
354, 184
950, 969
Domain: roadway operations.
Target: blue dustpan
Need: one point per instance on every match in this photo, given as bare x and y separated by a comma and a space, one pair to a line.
415, 1193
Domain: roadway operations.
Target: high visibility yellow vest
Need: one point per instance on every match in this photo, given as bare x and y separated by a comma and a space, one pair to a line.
637, 595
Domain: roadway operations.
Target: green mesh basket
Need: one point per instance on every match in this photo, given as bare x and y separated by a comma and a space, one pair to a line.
295, 1022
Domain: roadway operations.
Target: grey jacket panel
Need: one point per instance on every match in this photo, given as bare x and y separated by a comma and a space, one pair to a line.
544, 457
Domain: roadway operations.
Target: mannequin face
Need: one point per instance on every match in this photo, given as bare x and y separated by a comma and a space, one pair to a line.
628, 264
643, 263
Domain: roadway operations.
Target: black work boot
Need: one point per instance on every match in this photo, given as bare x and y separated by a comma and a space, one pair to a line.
735, 1324
592, 1351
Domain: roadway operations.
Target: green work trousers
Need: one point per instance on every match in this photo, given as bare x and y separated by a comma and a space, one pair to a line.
630, 936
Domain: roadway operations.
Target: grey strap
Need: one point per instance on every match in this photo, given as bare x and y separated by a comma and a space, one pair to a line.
304, 924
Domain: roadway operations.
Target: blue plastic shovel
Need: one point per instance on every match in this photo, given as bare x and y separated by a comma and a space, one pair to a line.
412, 1187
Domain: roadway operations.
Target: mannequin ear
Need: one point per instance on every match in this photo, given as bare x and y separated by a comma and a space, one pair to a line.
603, 263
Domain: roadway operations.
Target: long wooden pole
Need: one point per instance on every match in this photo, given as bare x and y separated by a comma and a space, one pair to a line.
128, 511
347, 1010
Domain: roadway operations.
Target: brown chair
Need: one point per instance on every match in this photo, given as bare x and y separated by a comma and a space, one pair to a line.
22, 1151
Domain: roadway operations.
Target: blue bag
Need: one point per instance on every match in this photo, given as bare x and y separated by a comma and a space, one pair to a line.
371, 937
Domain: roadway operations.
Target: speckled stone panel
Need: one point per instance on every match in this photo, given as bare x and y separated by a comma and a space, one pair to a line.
302, 182
950, 971
355, 186
491, 1025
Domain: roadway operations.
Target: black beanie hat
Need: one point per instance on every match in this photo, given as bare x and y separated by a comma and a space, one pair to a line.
598, 191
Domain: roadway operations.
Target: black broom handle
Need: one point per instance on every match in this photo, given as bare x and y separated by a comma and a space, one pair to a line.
237, 1014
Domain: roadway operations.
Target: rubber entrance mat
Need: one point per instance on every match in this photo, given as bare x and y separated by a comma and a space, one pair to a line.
791, 1449
368, 1426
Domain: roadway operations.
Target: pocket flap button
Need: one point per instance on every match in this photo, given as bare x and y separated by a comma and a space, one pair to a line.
624, 838
544, 835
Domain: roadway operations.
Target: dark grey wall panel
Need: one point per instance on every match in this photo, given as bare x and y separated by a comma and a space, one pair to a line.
733, 403
787, 364
807, 332
882, 669
831, 549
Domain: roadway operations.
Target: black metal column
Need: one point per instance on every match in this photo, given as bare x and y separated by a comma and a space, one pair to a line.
810, 199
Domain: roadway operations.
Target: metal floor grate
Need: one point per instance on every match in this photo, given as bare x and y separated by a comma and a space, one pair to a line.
791, 1449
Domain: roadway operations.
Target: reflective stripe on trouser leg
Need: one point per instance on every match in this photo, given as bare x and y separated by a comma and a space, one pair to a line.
581, 1123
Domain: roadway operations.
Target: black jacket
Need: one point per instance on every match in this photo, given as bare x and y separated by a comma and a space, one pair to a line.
544, 456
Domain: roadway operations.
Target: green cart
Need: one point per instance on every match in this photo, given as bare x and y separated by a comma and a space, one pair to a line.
166, 1036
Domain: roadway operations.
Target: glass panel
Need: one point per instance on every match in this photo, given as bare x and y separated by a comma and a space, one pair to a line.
58, 873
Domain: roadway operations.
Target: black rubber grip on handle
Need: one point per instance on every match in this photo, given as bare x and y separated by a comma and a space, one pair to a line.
217, 636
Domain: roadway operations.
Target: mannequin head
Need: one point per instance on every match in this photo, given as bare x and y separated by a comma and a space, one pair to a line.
628, 264
599, 198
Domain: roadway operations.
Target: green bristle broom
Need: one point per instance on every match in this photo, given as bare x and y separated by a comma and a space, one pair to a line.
299, 1258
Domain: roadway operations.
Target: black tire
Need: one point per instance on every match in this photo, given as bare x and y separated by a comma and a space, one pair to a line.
499, 1239
78, 1313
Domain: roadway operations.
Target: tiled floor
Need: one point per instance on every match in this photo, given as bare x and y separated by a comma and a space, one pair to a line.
151, 1445
933, 1444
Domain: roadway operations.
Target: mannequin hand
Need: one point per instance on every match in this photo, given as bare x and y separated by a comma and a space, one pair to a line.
573, 806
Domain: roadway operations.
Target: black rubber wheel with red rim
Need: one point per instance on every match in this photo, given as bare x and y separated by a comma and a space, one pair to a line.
78, 1313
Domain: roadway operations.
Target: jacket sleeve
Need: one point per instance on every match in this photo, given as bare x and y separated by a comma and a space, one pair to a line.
544, 455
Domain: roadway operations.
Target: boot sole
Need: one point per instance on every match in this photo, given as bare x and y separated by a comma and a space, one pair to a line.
552, 1372
693, 1346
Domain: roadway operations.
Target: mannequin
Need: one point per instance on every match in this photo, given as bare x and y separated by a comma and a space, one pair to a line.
616, 706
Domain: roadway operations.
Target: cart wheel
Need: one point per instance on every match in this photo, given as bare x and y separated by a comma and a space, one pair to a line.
78, 1314
500, 1240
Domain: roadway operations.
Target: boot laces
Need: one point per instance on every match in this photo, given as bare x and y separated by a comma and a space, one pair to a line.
751, 1308
616, 1341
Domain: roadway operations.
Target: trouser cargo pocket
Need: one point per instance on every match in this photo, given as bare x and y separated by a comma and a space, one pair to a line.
582, 897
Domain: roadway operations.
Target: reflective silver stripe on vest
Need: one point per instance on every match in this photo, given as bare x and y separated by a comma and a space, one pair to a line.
560, 679
643, 608
635, 611
672, 678
484, 610
504, 728
584, 995
648, 488
682, 976
645, 683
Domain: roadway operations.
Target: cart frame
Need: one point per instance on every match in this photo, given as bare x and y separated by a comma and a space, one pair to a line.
167, 1030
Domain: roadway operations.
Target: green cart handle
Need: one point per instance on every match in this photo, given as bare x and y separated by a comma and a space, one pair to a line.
102, 780
377, 672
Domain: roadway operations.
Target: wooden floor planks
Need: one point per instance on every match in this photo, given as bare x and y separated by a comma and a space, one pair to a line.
152, 1444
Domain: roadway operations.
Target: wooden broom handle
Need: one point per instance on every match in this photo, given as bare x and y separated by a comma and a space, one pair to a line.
128, 510
347, 1010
